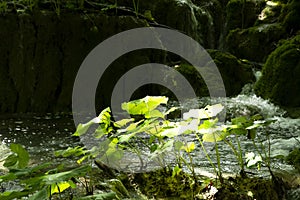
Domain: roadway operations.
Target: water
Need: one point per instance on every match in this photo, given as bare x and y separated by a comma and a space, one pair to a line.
42, 135
284, 133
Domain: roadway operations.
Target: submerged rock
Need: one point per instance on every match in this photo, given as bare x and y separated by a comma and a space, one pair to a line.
280, 75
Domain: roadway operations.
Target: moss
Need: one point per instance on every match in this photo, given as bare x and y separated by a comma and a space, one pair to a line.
290, 16
280, 75
243, 188
241, 14
254, 43
235, 74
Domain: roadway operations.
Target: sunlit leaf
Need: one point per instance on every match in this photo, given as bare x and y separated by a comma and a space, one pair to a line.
241, 121
83, 128
154, 113
207, 124
60, 187
126, 137
171, 110
123, 122
215, 136
145, 105
189, 147
71, 151
170, 132
176, 171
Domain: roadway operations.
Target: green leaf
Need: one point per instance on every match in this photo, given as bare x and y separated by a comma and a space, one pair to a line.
40, 195
82, 128
103, 118
207, 124
59, 187
123, 122
71, 151
127, 137
170, 132
171, 110
178, 145
154, 113
50, 179
162, 148
19, 159
239, 131
176, 171
145, 105
14, 194
189, 147
215, 136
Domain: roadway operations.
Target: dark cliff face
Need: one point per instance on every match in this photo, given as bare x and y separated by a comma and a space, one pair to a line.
41, 50
41, 53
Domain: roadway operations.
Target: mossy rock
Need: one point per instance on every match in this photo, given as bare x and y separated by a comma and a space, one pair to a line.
290, 16
270, 12
250, 188
241, 14
280, 75
235, 74
254, 43
161, 184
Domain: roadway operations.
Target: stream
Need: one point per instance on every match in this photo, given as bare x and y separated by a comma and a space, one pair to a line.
42, 135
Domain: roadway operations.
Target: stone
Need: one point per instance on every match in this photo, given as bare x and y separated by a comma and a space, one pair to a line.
254, 43
280, 80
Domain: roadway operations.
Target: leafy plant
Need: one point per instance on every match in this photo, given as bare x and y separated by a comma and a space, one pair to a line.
151, 136
44, 180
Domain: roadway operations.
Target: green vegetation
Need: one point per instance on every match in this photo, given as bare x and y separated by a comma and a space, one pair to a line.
149, 137
280, 75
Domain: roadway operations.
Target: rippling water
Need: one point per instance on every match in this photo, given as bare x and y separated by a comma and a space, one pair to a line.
42, 135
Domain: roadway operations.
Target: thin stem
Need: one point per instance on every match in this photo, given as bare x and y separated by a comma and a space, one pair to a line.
206, 154
240, 153
192, 167
218, 160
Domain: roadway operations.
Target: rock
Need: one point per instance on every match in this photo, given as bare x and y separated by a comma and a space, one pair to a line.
254, 43
235, 74
241, 14
270, 13
202, 21
280, 75
290, 16
42, 52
